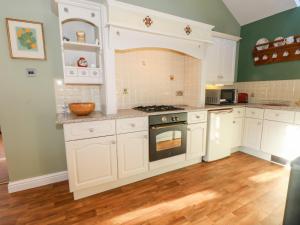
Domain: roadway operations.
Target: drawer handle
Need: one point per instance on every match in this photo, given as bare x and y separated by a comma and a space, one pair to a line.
132, 125
91, 130
198, 117
113, 142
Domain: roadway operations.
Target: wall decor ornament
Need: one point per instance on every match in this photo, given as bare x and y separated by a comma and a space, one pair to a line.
148, 21
188, 30
26, 39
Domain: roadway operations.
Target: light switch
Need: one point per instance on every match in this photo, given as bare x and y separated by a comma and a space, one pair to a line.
31, 72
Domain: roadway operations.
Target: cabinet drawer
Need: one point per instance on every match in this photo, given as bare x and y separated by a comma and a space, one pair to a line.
132, 125
239, 112
297, 118
279, 115
255, 113
77, 131
71, 72
197, 117
83, 72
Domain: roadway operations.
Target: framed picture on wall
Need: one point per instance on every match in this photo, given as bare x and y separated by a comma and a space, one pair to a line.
26, 39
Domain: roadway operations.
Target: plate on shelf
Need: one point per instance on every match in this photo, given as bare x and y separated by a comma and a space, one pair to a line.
280, 43
261, 42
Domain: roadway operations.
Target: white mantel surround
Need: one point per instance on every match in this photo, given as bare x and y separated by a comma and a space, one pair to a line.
125, 29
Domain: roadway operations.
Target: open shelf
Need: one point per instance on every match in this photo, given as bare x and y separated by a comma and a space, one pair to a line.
80, 46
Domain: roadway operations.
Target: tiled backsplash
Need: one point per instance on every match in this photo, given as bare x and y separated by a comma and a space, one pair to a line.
271, 91
155, 76
66, 94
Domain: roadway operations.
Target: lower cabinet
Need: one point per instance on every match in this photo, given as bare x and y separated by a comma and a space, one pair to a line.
196, 140
252, 133
133, 153
91, 162
281, 139
238, 130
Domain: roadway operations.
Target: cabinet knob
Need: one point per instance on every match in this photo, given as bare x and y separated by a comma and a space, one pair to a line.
234, 122
118, 33
197, 116
277, 114
66, 10
93, 15
132, 125
91, 130
113, 142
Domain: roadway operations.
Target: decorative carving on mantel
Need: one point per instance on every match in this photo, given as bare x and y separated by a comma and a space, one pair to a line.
148, 21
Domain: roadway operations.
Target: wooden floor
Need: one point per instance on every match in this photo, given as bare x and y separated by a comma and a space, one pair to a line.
238, 190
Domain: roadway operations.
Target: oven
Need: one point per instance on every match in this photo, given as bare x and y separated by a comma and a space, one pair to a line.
167, 135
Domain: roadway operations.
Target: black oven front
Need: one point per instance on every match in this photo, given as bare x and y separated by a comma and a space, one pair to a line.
167, 135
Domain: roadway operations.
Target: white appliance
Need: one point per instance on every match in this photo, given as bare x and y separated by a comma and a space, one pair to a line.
219, 138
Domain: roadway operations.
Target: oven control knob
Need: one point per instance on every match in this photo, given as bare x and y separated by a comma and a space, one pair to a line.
164, 119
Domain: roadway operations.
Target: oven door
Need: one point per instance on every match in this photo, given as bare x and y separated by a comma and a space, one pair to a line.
167, 140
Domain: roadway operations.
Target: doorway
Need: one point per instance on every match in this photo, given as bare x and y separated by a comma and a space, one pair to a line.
3, 164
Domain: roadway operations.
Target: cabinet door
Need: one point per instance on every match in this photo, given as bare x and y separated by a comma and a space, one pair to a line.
281, 139
133, 153
196, 140
91, 162
228, 58
252, 133
238, 129
213, 62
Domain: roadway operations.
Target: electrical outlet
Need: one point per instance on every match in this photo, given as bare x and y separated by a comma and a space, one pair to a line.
31, 72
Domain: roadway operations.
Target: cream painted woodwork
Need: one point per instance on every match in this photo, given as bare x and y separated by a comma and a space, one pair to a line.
254, 113
281, 139
197, 117
238, 126
132, 125
238, 131
297, 118
91, 162
220, 61
252, 133
76, 131
83, 16
279, 115
239, 112
159, 23
133, 154
196, 140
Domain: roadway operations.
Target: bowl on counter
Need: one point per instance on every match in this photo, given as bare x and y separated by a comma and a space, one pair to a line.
82, 109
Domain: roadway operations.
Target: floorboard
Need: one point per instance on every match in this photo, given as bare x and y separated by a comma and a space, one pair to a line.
238, 190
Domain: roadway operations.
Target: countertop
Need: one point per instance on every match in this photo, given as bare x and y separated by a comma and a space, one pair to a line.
62, 118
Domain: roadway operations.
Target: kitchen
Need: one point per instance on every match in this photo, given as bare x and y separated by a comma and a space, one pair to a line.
155, 95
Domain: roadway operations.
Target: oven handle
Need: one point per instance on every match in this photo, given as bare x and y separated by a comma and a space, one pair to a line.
169, 126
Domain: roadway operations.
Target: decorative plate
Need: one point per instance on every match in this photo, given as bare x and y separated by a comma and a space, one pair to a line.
262, 41
279, 44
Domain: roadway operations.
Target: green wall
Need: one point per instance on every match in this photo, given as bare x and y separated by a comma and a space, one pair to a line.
34, 145
282, 24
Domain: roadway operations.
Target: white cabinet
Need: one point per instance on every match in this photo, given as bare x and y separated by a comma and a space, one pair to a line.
238, 130
91, 162
133, 153
220, 62
252, 133
281, 139
196, 140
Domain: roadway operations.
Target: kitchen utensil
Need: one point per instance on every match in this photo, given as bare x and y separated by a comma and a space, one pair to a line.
82, 109
274, 56
281, 42
262, 41
243, 98
286, 54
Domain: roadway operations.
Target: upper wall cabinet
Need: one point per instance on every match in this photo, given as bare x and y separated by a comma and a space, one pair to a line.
81, 42
221, 61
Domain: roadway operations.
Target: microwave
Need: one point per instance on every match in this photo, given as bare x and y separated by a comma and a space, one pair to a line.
221, 96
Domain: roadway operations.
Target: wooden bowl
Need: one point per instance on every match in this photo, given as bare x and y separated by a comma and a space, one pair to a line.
82, 109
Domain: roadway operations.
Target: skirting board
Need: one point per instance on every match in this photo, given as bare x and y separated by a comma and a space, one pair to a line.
34, 182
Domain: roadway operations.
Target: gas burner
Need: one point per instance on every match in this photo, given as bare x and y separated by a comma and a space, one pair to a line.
157, 108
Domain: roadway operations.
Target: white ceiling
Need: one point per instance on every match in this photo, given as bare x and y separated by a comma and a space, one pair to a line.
248, 11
